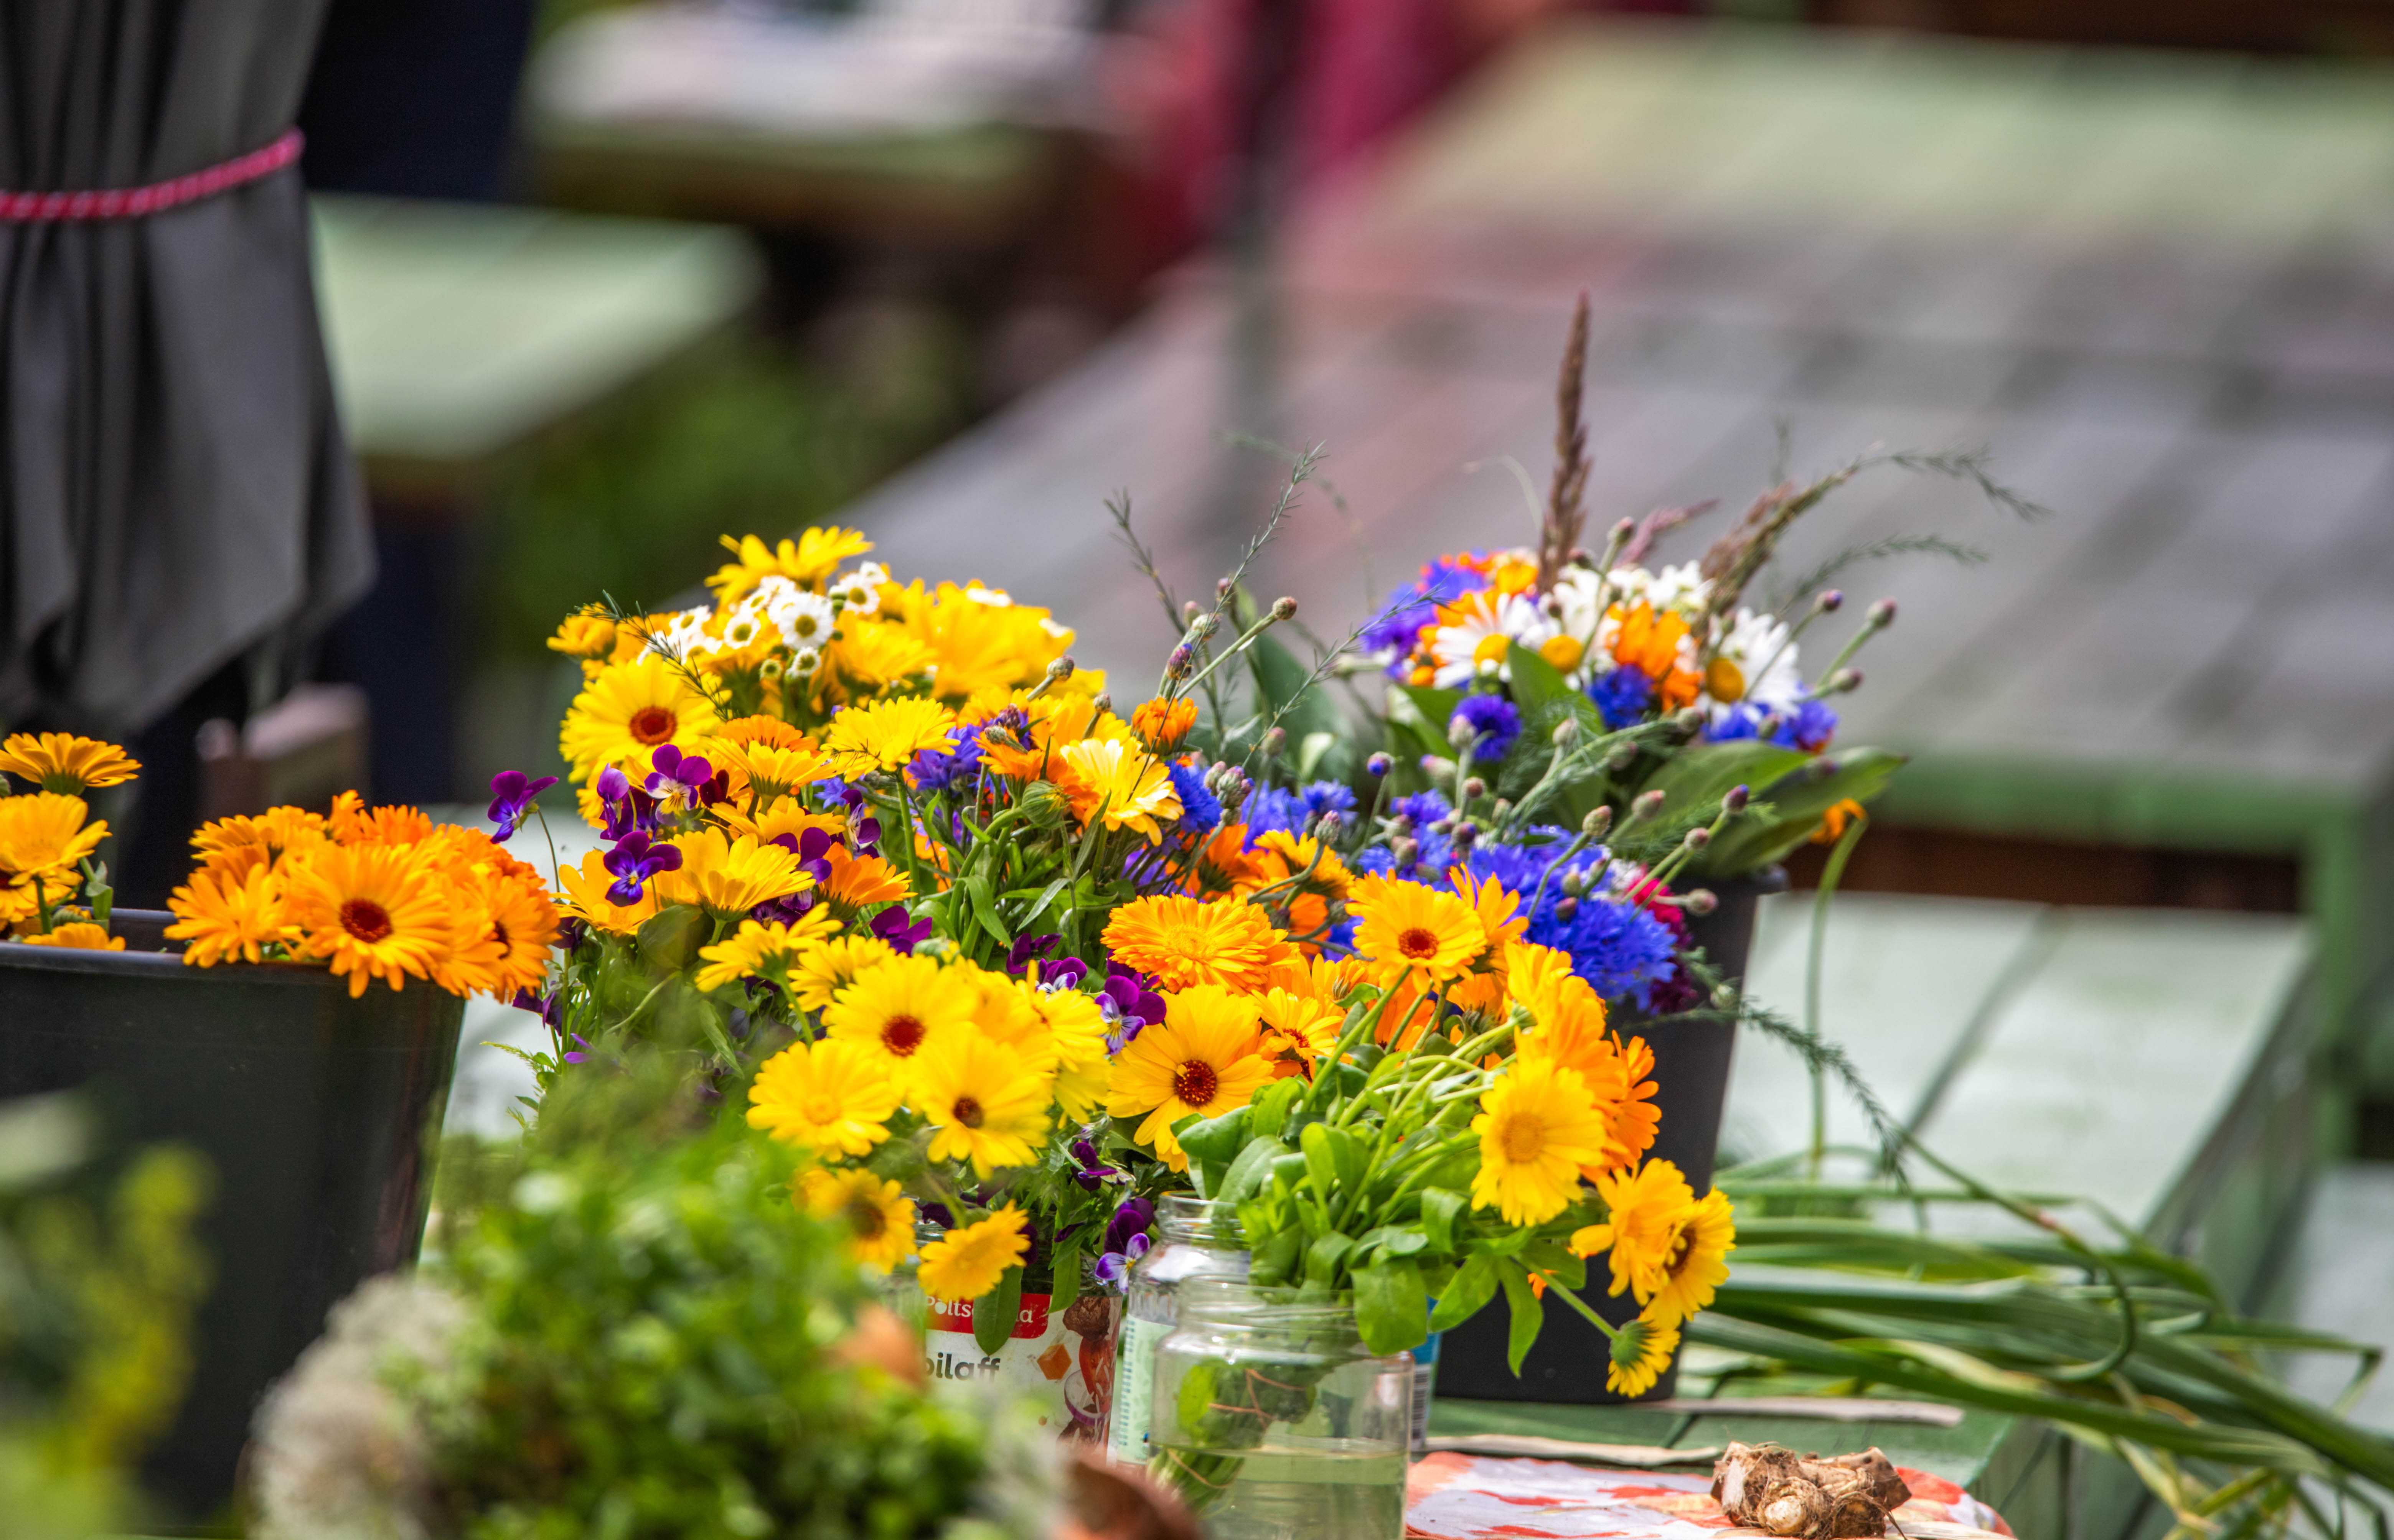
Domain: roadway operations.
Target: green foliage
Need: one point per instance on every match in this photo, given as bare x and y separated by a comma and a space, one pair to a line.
653, 1350
100, 1274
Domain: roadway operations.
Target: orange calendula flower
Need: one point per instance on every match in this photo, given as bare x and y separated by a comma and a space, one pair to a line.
1645, 1211
1833, 822
1162, 724
372, 911
1204, 1056
62, 762
43, 835
857, 881
584, 636
81, 935
1185, 942
222, 916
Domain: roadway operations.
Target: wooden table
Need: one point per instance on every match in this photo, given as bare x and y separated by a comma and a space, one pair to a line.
459, 332
2153, 1062
2157, 285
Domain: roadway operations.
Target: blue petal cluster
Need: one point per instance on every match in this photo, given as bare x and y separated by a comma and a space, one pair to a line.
1201, 811
1271, 808
1411, 609
1495, 720
1622, 696
1809, 727
1621, 950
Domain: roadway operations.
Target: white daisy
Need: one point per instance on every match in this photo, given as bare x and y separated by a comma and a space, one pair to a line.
805, 620
1476, 632
1755, 661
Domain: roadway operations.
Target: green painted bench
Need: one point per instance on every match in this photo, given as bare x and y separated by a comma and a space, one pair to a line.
2154, 1061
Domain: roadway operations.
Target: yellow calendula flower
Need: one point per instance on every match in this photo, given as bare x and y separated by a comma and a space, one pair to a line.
82, 935
62, 762
1537, 1127
899, 1007
584, 636
772, 772
1645, 1211
884, 734
1184, 941
1697, 1262
1115, 782
1076, 1030
629, 711
1413, 932
224, 915
372, 911
761, 949
729, 876
1297, 1029
1640, 1354
826, 967
586, 895
43, 835
876, 1214
806, 561
832, 1096
980, 641
1204, 1056
988, 1106
967, 1263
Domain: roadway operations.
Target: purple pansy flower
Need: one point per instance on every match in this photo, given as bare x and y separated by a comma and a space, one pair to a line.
1092, 1173
512, 795
637, 858
1025, 948
680, 778
891, 926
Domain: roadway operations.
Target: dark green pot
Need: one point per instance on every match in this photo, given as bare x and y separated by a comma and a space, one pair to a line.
1691, 1065
317, 1113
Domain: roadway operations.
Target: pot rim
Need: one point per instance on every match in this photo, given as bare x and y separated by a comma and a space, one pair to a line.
149, 963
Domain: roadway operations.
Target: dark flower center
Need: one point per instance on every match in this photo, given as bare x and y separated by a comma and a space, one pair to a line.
1681, 1249
652, 724
365, 919
1195, 1082
969, 1112
499, 934
867, 1219
1417, 943
901, 1034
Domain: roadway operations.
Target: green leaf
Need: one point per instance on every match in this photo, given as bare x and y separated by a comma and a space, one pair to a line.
1250, 1171
1287, 1171
1695, 779
1274, 1259
1430, 711
1396, 1240
1793, 808
1268, 1114
1067, 1285
1441, 1207
994, 1313
1536, 681
670, 938
984, 903
1529, 1314
1320, 1163
1216, 1140
1474, 1285
1391, 1309
1321, 1258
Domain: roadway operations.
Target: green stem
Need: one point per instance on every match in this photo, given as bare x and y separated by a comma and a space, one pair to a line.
1834, 869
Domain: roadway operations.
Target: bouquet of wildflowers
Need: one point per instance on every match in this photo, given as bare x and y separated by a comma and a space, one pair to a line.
370, 893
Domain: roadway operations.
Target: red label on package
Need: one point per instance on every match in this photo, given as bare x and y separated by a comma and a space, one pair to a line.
957, 1315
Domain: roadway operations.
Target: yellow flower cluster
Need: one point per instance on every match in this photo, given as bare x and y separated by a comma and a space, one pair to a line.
372, 893
792, 638
981, 1063
47, 832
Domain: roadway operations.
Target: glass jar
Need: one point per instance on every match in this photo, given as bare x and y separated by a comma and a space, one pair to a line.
1274, 1422
1186, 1247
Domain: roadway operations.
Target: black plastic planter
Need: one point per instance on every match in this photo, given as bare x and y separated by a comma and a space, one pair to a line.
316, 1112
1691, 1064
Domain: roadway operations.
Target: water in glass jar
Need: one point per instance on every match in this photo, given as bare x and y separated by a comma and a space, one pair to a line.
1329, 1489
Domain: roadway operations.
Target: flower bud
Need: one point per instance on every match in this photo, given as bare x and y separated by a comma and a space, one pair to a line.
1598, 819
1222, 587
1735, 801
1829, 602
1698, 838
1621, 757
1437, 768
1379, 765
1275, 742
1406, 851
1882, 614
1648, 805
1622, 531
1725, 997
1565, 907
1102, 704
1574, 884
1461, 732
1503, 806
1474, 789
1205, 625
1182, 662
1329, 823
1283, 608
1059, 670
1467, 834
1567, 732
1699, 902
1402, 824
1843, 680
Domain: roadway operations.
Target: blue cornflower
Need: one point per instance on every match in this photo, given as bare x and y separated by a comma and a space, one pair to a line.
1200, 810
1622, 696
1425, 808
932, 771
1618, 947
1495, 721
